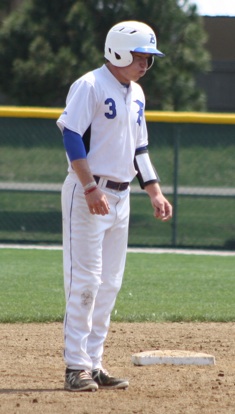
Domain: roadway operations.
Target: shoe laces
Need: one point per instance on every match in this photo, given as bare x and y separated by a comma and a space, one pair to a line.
101, 371
84, 375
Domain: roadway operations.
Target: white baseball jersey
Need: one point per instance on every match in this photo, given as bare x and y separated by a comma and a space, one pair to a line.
115, 115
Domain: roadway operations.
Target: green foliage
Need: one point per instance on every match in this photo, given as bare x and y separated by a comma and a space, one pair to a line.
156, 287
182, 39
45, 45
4, 5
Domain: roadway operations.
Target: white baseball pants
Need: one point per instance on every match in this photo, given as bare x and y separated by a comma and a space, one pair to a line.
94, 255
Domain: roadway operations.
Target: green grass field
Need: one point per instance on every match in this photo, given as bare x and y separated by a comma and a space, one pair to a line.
156, 287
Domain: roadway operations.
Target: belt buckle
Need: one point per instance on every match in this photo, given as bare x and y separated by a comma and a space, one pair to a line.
119, 187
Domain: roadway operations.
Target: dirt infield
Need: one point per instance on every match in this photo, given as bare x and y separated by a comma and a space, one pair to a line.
32, 371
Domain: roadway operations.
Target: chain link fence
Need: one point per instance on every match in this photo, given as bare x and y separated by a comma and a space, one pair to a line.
193, 153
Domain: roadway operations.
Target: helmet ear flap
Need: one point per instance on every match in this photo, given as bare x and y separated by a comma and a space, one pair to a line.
118, 57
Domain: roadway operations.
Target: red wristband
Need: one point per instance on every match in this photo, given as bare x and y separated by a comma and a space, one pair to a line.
90, 190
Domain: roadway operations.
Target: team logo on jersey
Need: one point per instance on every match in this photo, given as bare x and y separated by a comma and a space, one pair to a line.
140, 111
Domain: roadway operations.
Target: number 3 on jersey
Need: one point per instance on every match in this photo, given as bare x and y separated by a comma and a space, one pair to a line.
111, 107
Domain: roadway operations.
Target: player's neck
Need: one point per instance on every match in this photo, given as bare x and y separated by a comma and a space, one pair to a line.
117, 74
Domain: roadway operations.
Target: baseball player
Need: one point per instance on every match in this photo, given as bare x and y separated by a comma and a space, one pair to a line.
105, 137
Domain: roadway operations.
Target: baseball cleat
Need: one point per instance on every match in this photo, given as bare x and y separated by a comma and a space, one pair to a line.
79, 380
104, 380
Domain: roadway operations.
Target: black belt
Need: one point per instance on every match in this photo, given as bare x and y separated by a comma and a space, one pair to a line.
113, 185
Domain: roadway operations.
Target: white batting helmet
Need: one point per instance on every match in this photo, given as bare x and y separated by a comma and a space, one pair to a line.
127, 37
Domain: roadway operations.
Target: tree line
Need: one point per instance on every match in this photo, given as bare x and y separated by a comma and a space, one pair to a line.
46, 45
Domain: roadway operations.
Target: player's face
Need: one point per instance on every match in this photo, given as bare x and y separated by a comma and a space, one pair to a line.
139, 66
135, 70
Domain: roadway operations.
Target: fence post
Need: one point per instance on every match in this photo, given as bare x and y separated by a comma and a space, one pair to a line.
176, 138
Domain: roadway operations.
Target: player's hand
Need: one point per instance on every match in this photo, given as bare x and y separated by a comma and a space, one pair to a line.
162, 208
97, 202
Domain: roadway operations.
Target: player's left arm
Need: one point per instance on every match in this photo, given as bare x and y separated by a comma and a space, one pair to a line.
161, 206
149, 181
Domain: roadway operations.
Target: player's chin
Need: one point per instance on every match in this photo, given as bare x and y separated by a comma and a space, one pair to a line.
139, 75
142, 73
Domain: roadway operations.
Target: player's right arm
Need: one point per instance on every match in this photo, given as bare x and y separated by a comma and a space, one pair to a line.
95, 198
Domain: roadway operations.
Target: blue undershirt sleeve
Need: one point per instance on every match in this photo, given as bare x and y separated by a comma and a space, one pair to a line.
73, 144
